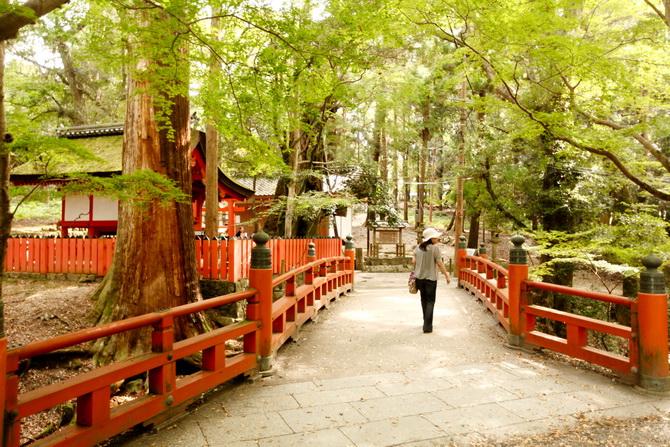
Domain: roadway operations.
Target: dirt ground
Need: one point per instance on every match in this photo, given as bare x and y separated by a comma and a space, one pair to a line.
37, 309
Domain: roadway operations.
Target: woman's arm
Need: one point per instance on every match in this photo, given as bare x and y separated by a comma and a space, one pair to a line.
440, 265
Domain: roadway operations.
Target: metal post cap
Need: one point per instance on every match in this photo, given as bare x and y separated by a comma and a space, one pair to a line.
261, 238
311, 253
482, 248
261, 256
461, 242
517, 255
349, 245
651, 279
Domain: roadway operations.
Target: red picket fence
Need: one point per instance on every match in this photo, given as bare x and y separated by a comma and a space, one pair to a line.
59, 255
268, 324
216, 259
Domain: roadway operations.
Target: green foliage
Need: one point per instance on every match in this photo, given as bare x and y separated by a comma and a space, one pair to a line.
141, 189
608, 251
311, 207
365, 184
37, 208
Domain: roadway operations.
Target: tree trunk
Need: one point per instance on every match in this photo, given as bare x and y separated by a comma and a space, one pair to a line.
6, 217
72, 81
294, 163
406, 179
154, 260
473, 236
212, 184
425, 138
212, 153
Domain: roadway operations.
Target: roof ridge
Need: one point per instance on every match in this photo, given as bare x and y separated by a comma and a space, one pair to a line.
91, 130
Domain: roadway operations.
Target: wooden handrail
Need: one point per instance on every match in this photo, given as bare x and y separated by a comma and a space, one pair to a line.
605, 297
85, 335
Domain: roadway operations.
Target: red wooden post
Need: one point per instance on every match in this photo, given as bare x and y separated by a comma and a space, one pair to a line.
162, 380
206, 257
350, 254
79, 251
232, 259
260, 278
88, 257
652, 308
58, 255
93, 408
460, 259
481, 267
32, 254
518, 272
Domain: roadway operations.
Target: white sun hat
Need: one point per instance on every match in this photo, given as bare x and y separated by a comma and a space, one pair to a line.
430, 233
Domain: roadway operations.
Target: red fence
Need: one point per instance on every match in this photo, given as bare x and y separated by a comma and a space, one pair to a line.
505, 293
267, 326
217, 259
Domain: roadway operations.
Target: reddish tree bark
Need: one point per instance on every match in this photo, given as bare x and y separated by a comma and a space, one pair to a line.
154, 260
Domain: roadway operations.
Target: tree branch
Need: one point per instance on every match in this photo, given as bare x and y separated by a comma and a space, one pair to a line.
12, 22
648, 145
658, 12
494, 196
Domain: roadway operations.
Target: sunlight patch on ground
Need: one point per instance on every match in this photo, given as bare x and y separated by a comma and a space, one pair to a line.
400, 299
360, 315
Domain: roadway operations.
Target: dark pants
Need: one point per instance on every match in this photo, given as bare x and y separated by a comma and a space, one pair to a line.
428, 289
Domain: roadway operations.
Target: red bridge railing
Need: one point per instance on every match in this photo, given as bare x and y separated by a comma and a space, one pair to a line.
267, 326
226, 259
505, 293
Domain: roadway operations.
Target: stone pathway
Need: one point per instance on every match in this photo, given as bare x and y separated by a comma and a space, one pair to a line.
366, 375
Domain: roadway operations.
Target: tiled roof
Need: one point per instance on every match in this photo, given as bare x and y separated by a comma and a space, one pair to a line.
264, 186
97, 130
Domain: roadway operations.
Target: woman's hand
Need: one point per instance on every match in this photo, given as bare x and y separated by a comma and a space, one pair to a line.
448, 279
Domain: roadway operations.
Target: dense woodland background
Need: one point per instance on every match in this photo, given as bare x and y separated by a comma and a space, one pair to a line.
553, 114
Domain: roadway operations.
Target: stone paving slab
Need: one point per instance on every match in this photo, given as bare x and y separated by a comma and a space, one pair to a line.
390, 432
400, 406
339, 395
366, 375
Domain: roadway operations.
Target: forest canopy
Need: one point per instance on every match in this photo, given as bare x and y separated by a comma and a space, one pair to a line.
555, 113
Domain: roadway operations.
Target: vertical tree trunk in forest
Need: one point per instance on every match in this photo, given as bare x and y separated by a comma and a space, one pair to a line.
6, 217
73, 82
376, 155
154, 260
406, 179
425, 138
212, 155
212, 184
294, 162
383, 150
396, 161
473, 235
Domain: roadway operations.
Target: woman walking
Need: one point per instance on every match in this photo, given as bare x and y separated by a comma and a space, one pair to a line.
427, 260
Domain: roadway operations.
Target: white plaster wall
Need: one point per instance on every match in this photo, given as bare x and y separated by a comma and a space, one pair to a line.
105, 209
344, 225
76, 208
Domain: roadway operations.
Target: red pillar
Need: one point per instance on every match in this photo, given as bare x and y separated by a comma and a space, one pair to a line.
518, 272
231, 218
652, 308
260, 278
